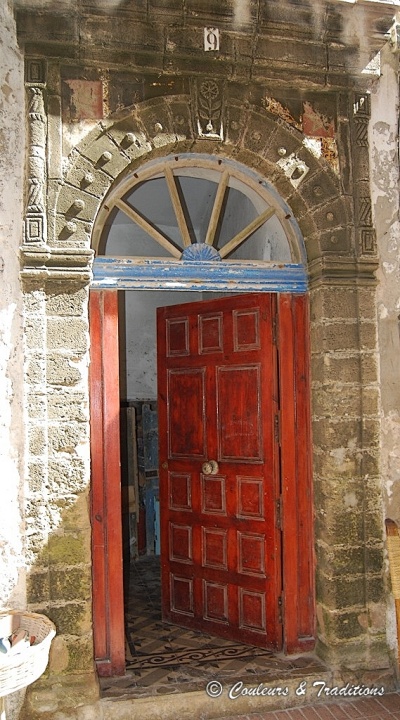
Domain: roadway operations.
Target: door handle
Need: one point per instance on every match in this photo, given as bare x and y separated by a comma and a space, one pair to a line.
210, 467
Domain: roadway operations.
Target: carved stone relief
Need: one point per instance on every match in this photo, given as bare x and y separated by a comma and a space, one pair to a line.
208, 104
366, 241
35, 219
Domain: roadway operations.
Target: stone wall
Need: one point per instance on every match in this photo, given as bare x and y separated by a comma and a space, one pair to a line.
348, 502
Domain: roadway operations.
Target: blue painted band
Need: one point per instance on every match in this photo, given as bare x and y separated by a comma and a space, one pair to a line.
151, 274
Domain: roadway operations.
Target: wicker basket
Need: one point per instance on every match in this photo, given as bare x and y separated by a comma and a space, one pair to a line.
19, 670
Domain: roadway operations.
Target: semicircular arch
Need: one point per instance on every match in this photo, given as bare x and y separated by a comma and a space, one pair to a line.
107, 160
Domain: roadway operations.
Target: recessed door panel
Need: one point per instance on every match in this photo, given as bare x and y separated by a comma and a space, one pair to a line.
220, 543
239, 416
187, 423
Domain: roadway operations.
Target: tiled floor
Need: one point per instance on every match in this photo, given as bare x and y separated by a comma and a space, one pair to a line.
164, 659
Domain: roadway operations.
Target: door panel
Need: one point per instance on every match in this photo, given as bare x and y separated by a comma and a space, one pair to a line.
219, 467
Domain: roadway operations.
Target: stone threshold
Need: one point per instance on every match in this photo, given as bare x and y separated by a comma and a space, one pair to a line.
212, 696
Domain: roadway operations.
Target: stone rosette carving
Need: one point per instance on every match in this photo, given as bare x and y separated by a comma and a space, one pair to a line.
208, 104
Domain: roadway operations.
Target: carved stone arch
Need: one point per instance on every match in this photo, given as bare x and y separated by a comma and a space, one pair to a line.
262, 142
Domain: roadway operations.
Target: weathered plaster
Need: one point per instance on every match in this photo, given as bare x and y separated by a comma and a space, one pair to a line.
12, 560
12, 590
384, 146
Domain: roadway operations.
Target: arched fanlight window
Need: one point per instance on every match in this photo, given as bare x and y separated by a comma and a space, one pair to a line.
188, 209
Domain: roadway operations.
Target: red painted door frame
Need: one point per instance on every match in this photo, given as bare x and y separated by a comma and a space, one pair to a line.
298, 558
298, 604
107, 570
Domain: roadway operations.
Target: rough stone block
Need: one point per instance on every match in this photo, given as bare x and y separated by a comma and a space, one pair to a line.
34, 302
340, 461
70, 584
37, 439
345, 625
71, 618
64, 438
68, 549
62, 370
67, 304
295, 54
352, 654
38, 586
36, 406
67, 477
67, 333
368, 335
35, 370
332, 434
50, 698
337, 400
35, 332
339, 336
207, 10
67, 406
341, 592
336, 560
77, 517
347, 529
37, 474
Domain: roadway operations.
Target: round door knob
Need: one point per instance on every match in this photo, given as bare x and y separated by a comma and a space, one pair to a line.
210, 467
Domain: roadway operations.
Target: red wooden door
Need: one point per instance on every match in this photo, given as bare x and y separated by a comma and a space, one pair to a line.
219, 468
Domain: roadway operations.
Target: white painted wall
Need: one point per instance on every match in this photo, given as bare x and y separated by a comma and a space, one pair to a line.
12, 124
140, 329
384, 159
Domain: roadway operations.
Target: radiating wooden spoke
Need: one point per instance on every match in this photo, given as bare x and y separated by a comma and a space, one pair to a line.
216, 211
177, 205
152, 231
246, 232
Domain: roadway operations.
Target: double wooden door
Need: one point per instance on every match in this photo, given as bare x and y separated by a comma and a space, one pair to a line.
235, 472
219, 468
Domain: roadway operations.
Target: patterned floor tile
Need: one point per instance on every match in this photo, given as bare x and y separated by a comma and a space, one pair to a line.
163, 658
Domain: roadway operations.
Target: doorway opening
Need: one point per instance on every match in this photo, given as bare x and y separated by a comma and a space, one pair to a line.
245, 572
160, 652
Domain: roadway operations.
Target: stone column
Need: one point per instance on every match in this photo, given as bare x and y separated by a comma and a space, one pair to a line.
55, 283
348, 505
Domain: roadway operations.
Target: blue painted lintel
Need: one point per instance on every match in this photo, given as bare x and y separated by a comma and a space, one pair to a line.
230, 276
